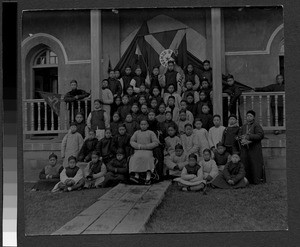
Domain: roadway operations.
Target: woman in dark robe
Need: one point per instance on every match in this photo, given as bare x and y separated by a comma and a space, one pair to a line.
250, 137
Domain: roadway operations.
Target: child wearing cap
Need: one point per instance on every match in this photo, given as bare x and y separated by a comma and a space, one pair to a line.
175, 162
210, 169
233, 175
221, 156
71, 144
94, 172
230, 135
49, 175
215, 133
71, 177
98, 119
117, 170
85, 153
191, 178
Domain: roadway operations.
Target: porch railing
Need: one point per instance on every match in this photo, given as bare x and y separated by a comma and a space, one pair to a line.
269, 108
39, 118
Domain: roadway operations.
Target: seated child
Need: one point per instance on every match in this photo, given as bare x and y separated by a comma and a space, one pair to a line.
215, 133
173, 108
189, 115
191, 178
171, 140
98, 119
201, 135
190, 90
135, 112
165, 125
188, 139
210, 169
81, 125
221, 156
71, 144
143, 141
95, 172
122, 140
131, 126
207, 118
182, 122
115, 106
71, 177
191, 106
131, 95
161, 117
125, 108
176, 161
230, 133
153, 123
49, 175
105, 147
117, 170
171, 92
144, 113
114, 125
85, 153
233, 175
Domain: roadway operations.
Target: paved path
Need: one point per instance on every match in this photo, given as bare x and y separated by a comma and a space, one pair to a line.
124, 209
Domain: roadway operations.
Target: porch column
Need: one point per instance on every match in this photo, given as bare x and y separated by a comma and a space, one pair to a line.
216, 33
96, 54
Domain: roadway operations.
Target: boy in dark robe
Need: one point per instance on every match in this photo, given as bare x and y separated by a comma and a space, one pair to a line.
105, 147
126, 78
85, 153
114, 85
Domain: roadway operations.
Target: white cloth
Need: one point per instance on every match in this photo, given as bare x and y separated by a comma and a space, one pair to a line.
215, 135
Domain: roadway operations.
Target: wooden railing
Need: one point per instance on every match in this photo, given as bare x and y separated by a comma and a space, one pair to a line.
39, 118
269, 108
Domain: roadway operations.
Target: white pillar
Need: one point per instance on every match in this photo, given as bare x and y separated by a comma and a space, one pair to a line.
216, 33
96, 54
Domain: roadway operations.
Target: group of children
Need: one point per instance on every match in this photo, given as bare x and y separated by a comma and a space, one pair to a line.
146, 130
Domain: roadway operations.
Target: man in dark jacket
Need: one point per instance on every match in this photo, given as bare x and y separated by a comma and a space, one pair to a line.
250, 137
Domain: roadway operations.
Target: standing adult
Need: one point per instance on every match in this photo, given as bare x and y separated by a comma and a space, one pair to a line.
275, 87
250, 136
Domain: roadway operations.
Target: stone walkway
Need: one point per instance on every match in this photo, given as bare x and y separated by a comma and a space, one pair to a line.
124, 209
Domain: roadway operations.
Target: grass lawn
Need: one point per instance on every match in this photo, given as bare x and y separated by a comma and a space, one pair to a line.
46, 212
256, 208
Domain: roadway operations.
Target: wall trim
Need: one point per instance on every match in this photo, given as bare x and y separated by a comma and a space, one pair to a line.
49, 36
259, 52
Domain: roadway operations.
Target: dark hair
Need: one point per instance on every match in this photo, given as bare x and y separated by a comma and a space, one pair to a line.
121, 125
107, 129
98, 100
182, 111
206, 61
178, 146
73, 123
229, 76
189, 94
127, 66
169, 112
183, 101
52, 155
207, 151
130, 86
198, 120
79, 113
171, 97
74, 81
204, 79
120, 151
125, 95
151, 110
72, 158
170, 61
143, 119
187, 125
116, 113
104, 80
193, 156
217, 115
154, 99
205, 105
96, 153
220, 144
91, 130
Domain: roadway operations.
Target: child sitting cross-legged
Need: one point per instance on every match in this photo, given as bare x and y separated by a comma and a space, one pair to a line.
49, 175
85, 153
176, 161
233, 175
71, 177
210, 169
191, 178
117, 170
95, 172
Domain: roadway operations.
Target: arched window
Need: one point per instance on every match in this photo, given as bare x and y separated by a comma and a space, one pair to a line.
45, 72
281, 58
